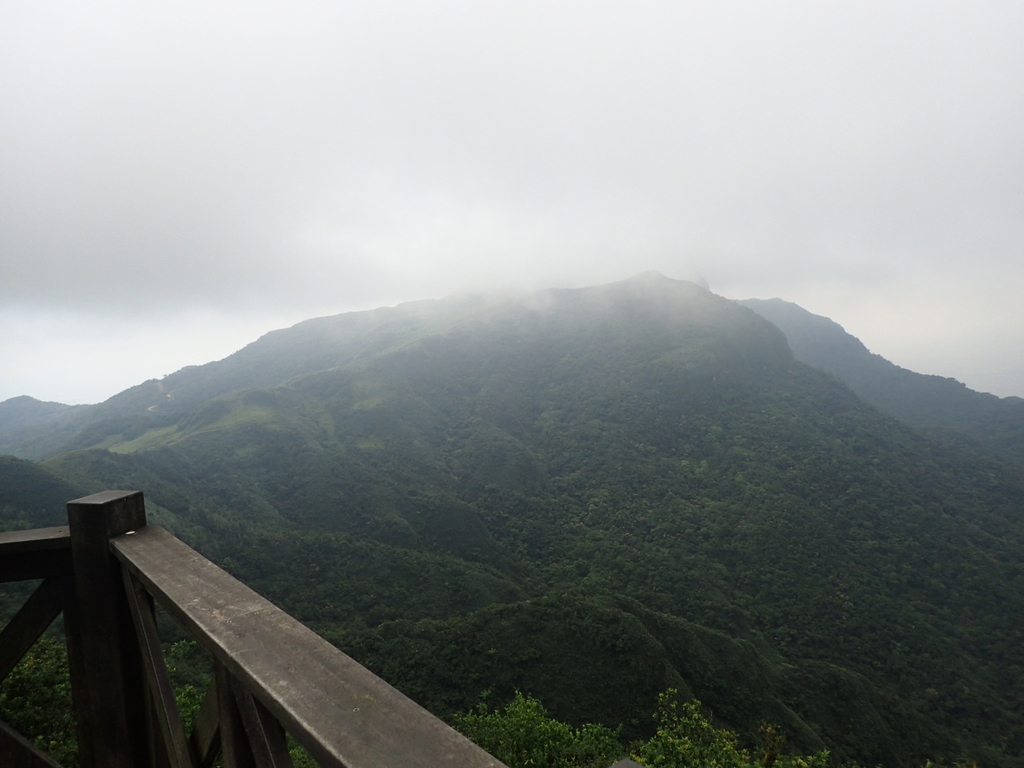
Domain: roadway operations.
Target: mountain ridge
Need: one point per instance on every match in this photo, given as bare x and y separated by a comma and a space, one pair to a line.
921, 400
34, 429
521, 471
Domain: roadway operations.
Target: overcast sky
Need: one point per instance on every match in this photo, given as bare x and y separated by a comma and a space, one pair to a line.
178, 178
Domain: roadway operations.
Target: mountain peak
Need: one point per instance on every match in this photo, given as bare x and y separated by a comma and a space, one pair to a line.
652, 276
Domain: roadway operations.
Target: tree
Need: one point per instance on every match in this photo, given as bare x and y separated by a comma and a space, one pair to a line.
35, 700
523, 736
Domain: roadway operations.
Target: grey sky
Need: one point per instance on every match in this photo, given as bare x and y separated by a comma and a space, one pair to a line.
176, 179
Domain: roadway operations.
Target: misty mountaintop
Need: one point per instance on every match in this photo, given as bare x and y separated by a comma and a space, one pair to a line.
34, 429
478, 325
590, 495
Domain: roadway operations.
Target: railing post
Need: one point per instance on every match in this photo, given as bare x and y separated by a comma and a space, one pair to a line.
107, 680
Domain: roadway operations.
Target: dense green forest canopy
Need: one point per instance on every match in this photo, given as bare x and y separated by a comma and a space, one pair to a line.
590, 496
928, 402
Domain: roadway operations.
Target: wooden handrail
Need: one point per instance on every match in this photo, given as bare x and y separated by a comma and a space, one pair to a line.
44, 553
337, 709
35, 554
36, 540
271, 673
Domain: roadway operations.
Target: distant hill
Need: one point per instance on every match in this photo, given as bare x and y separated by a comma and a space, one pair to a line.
32, 428
18, 412
31, 497
929, 402
591, 495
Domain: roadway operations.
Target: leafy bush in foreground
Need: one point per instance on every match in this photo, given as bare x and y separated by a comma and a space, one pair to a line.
685, 738
35, 700
523, 735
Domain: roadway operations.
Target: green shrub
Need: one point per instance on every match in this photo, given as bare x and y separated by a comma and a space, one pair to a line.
685, 739
523, 736
35, 700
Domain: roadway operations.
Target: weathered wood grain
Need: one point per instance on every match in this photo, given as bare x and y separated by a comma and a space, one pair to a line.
29, 623
337, 709
34, 554
103, 652
18, 752
205, 736
35, 540
163, 705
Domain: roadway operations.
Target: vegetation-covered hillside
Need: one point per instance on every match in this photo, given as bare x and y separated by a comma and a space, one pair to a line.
930, 402
592, 496
31, 497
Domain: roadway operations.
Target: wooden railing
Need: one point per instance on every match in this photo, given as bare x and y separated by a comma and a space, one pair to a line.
272, 675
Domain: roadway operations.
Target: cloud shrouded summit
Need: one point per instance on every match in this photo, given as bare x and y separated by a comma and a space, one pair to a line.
177, 180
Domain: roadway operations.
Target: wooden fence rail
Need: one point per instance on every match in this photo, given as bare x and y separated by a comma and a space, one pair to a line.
272, 675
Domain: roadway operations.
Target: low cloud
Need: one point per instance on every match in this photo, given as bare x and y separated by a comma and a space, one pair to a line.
252, 160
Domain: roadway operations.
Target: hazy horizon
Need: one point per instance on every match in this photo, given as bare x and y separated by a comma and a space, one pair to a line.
694, 277
177, 180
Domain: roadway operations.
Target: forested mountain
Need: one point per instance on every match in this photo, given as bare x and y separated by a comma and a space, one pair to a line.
930, 402
32, 428
31, 497
594, 495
